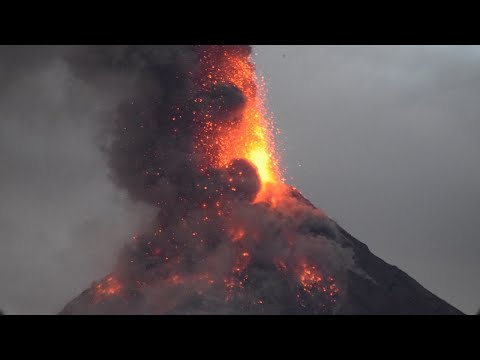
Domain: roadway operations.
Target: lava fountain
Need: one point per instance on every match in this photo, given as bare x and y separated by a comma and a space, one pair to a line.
251, 138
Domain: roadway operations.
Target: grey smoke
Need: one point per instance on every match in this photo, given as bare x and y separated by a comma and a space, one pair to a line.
61, 220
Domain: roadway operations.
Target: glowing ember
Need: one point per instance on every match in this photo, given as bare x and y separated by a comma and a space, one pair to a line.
313, 284
309, 278
107, 288
239, 277
238, 234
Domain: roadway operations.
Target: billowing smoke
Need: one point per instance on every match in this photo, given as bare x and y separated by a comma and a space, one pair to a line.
213, 246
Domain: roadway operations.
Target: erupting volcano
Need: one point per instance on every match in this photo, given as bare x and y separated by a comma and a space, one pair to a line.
193, 139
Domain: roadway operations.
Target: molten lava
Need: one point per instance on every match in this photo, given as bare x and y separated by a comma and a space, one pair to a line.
314, 285
312, 281
251, 137
107, 288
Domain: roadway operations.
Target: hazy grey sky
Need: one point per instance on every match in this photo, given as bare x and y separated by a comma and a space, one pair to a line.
383, 138
61, 221
386, 140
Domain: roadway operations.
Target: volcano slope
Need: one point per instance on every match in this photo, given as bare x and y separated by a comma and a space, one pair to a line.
367, 285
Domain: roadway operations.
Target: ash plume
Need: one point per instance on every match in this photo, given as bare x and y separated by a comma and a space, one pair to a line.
210, 247
153, 130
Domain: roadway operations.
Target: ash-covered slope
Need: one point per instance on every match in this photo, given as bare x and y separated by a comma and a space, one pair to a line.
369, 286
387, 289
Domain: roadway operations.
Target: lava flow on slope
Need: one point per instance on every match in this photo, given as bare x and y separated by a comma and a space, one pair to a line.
192, 138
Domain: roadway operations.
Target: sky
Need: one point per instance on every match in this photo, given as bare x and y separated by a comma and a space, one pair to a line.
382, 138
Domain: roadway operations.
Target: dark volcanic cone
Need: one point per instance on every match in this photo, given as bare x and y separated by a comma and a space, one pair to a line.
370, 286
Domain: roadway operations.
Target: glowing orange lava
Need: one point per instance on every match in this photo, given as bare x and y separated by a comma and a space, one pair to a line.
108, 287
309, 278
312, 281
238, 278
175, 279
238, 234
252, 137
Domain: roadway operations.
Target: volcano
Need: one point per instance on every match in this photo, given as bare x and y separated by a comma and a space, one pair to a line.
192, 138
